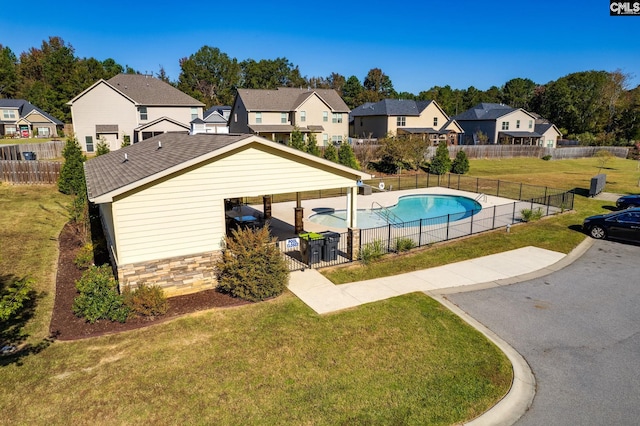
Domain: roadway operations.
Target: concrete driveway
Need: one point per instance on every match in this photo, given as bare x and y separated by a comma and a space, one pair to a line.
579, 330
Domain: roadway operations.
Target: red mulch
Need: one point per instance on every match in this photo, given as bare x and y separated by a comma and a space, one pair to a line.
66, 326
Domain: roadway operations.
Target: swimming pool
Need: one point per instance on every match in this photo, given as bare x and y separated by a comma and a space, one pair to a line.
409, 208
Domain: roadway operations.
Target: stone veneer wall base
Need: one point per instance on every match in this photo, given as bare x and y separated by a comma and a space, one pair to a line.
176, 275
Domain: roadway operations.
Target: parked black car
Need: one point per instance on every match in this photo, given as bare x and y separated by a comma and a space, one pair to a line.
628, 201
621, 225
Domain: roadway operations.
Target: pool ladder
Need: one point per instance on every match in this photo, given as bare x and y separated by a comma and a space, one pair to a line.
482, 197
386, 214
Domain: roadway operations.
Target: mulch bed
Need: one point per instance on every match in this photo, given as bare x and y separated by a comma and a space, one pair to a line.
66, 326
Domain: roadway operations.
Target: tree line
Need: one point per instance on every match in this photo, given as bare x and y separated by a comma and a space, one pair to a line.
594, 107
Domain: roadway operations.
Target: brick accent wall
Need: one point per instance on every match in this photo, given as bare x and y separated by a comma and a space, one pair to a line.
176, 275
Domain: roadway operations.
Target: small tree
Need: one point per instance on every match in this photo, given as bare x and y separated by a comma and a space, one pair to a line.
71, 180
312, 145
297, 139
98, 296
126, 141
441, 163
347, 157
102, 147
252, 267
331, 153
603, 157
460, 164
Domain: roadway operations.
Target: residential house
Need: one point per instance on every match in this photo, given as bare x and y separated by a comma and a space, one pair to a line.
214, 120
395, 117
488, 123
133, 107
274, 114
164, 201
19, 118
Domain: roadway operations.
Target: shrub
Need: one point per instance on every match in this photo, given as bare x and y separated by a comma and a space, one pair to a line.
84, 258
531, 215
146, 300
546, 157
404, 244
102, 147
252, 267
99, 297
460, 164
71, 180
371, 252
13, 297
441, 163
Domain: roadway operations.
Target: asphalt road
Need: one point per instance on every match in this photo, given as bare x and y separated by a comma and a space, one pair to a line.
579, 330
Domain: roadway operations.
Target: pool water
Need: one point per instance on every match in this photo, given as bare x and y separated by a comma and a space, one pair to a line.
410, 208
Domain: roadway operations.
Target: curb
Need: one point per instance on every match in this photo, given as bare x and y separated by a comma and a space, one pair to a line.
523, 388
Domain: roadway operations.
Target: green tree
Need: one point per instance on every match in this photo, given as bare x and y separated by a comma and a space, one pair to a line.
102, 147
71, 179
352, 92
312, 145
347, 157
460, 164
126, 140
441, 162
518, 93
331, 153
210, 75
14, 293
297, 139
378, 86
8, 73
270, 74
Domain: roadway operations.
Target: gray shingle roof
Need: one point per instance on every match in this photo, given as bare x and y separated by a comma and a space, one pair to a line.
288, 99
25, 107
485, 111
391, 107
109, 172
148, 90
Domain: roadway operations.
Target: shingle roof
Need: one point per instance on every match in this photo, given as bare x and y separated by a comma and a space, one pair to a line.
25, 107
485, 111
287, 99
109, 172
391, 107
148, 90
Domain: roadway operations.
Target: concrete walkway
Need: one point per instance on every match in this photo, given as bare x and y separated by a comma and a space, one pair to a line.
324, 297
484, 272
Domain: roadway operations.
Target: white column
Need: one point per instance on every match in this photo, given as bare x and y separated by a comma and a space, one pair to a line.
352, 207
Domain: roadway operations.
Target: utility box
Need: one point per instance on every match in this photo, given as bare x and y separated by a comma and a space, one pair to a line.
311, 245
29, 156
597, 184
330, 248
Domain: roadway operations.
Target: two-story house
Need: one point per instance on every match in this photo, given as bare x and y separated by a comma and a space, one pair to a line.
274, 114
396, 117
133, 107
491, 124
214, 120
19, 118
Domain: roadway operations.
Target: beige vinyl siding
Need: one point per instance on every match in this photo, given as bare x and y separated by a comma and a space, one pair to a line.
177, 113
512, 118
184, 215
314, 107
102, 105
107, 221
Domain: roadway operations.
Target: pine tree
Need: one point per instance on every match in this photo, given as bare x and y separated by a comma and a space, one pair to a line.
297, 140
460, 164
441, 163
347, 157
331, 153
312, 145
71, 180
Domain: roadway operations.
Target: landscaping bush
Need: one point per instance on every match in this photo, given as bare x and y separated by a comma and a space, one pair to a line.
440, 163
460, 164
531, 215
84, 258
546, 157
252, 267
404, 244
371, 252
99, 297
146, 300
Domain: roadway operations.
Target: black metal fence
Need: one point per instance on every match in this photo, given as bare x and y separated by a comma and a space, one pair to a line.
329, 251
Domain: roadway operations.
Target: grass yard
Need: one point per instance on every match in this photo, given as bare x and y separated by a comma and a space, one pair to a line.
31, 219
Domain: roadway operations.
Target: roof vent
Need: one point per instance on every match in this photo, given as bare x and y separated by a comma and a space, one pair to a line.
159, 144
126, 158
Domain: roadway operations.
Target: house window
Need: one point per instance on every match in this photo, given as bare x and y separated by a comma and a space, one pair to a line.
337, 140
325, 139
283, 117
235, 117
435, 121
9, 114
258, 118
401, 121
531, 124
43, 132
194, 113
11, 130
337, 117
303, 116
89, 142
505, 125
143, 113
517, 124
325, 116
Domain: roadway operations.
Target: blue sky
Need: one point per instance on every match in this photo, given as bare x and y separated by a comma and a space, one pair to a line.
418, 44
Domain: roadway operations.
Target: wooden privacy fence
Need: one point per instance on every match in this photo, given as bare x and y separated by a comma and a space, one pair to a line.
513, 151
43, 151
29, 172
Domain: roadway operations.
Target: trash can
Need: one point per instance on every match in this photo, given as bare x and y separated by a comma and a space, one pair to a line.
311, 244
29, 155
330, 248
